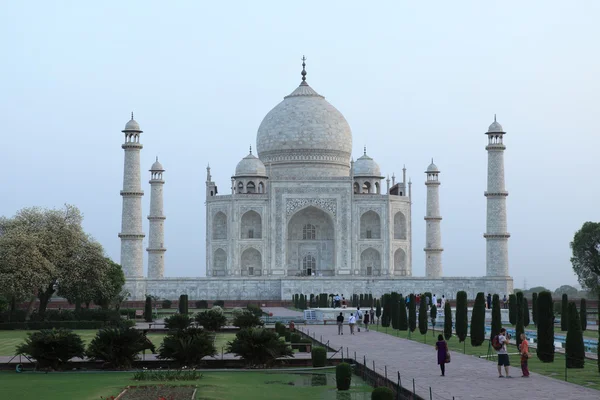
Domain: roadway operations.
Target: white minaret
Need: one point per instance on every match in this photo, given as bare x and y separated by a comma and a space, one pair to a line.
496, 235
132, 235
156, 241
433, 236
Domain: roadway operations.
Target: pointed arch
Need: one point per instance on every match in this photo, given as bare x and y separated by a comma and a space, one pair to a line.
370, 225
251, 225
219, 266
251, 262
400, 226
400, 267
370, 262
219, 228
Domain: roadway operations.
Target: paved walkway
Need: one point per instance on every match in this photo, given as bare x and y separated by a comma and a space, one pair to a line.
282, 312
467, 377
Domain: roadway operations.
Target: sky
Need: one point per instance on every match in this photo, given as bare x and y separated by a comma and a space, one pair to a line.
415, 80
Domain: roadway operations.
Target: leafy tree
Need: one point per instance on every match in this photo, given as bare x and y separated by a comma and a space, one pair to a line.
187, 347
512, 309
412, 313
378, 309
461, 316
178, 322
433, 316
447, 321
574, 348
496, 316
119, 347
386, 319
111, 292
564, 313
534, 307
148, 309
394, 300
402, 317
526, 320
247, 319
478, 320
566, 289
583, 314
423, 317
166, 303
52, 348
211, 320
545, 327
519, 325
258, 346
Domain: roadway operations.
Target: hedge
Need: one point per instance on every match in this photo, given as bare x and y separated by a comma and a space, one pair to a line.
37, 325
319, 356
382, 393
343, 376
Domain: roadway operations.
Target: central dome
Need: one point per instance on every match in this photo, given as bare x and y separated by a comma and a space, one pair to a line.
304, 134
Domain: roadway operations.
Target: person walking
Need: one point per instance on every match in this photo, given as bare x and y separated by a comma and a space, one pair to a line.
366, 321
489, 301
372, 316
340, 324
351, 322
442, 353
434, 300
524, 350
359, 316
503, 360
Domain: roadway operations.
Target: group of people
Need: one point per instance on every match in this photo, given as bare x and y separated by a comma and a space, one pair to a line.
339, 301
356, 320
439, 303
500, 343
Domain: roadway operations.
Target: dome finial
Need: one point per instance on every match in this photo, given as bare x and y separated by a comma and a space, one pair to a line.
365, 150
250, 149
494, 117
432, 160
156, 158
303, 73
132, 115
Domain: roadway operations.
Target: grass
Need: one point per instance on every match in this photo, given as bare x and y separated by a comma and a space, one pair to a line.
587, 376
9, 340
212, 386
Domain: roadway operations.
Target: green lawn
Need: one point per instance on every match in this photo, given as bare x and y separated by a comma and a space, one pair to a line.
212, 386
587, 376
10, 339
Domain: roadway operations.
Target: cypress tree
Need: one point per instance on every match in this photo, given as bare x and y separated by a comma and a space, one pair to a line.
512, 309
545, 327
394, 298
402, 317
378, 310
423, 317
519, 325
496, 316
387, 311
362, 300
302, 302
371, 303
564, 313
412, 313
526, 320
447, 321
148, 309
296, 300
478, 320
534, 298
461, 316
583, 314
311, 300
433, 316
574, 349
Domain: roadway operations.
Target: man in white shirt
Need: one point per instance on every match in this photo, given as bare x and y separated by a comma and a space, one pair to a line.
503, 360
351, 322
434, 300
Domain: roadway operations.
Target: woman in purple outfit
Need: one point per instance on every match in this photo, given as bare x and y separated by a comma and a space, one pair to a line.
442, 352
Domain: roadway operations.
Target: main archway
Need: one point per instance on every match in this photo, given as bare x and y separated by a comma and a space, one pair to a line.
310, 242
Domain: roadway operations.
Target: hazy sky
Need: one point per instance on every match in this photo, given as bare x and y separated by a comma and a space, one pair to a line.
415, 81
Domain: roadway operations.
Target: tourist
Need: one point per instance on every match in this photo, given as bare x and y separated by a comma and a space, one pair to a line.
505, 302
524, 350
434, 300
372, 312
407, 301
503, 360
366, 321
343, 301
336, 301
442, 353
351, 322
442, 302
340, 324
418, 300
359, 317
489, 301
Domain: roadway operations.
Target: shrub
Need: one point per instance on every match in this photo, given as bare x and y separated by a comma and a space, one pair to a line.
564, 313
287, 336
280, 328
583, 314
119, 347
520, 318
258, 346
237, 311
52, 348
382, 393
218, 309
423, 316
219, 303
402, 317
247, 320
302, 302
166, 376
254, 309
526, 319
412, 313
545, 327
183, 304
201, 304
461, 316
512, 309
378, 309
448, 321
166, 303
387, 311
294, 339
394, 312
296, 300
534, 312
304, 348
178, 322
343, 376
496, 317
211, 320
148, 309
574, 348
187, 347
319, 356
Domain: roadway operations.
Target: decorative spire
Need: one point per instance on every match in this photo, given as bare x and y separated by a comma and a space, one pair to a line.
303, 73
132, 115
432, 160
494, 117
365, 150
156, 158
250, 149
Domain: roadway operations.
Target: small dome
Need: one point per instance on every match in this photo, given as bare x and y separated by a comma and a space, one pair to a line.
250, 166
366, 166
495, 127
156, 166
132, 125
432, 167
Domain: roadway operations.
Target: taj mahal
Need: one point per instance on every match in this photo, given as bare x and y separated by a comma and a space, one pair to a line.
302, 216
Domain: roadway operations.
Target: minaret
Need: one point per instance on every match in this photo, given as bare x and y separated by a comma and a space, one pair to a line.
132, 235
156, 241
433, 236
496, 235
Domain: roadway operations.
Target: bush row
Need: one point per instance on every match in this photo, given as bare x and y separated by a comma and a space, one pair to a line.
84, 314
37, 325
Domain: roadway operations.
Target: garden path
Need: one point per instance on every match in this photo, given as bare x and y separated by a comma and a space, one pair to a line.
467, 377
